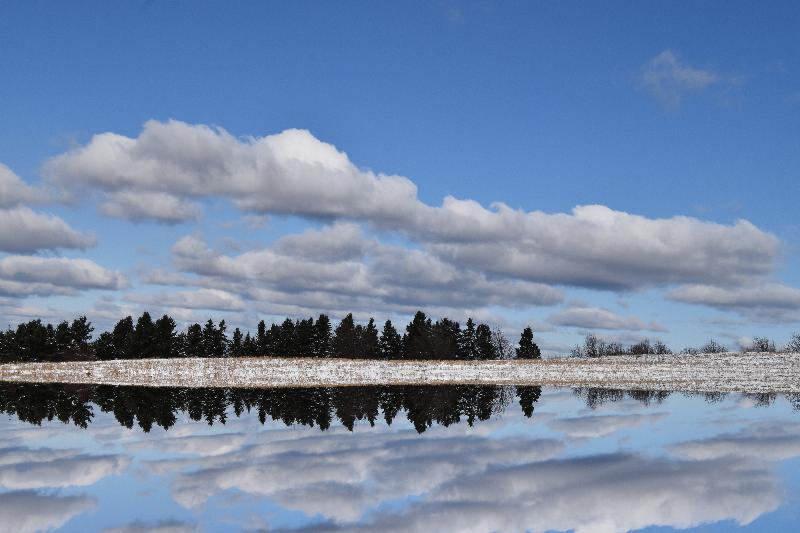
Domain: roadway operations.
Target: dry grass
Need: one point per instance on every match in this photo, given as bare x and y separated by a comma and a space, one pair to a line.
717, 372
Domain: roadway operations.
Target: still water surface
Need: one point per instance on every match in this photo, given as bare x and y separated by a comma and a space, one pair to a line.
465, 458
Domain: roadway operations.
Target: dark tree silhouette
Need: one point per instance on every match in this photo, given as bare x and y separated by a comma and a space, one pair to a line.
527, 397
527, 349
304, 337
445, 339
194, 341
261, 339
164, 339
467, 348
322, 337
483, 343
236, 348
417, 340
344, 338
390, 345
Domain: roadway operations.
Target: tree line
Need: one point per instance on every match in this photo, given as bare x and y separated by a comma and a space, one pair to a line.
147, 338
594, 346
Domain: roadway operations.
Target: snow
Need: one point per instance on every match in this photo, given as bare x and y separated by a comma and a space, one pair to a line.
750, 372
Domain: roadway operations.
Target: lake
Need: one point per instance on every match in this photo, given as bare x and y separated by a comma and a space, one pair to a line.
406, 458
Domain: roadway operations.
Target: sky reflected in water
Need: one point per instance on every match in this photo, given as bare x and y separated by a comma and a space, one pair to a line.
464, 458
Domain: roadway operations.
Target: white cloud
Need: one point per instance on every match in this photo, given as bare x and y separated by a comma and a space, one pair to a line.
599, 318
294, 173
71, 470
146, 205
212, 299
317, 270
163, 526
669, 80
14, 191
25, 231
28, 275
774, 302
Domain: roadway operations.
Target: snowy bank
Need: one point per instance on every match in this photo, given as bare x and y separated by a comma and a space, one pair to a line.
718, 372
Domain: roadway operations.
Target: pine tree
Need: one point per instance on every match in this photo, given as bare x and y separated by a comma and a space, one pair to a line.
237, 342
390, 345
142, 341
483, 343
164, 342
261, 339
194, 341
369, 340
80, 333
304, 333
286, 344
249, 346
344, 338
122, 339
527, 348
466, 347
322, 337
417, 342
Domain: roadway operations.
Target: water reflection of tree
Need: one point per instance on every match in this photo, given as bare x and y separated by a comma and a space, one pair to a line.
423, 406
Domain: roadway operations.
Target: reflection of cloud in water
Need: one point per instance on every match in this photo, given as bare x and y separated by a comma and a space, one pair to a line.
602, 493
475, 483
759, 441
199, 445
341, 476
596, 426
26, 468
164, 526
30, 511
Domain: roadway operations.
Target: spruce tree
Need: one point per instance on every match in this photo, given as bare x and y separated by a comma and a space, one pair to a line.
322, 337
527, 348
483, 343
466, 346
344, 338
390, 345
417, 342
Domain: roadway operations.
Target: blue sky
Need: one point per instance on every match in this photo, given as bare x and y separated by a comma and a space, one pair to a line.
652, 111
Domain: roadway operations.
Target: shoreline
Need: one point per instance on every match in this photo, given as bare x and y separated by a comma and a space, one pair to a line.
750, 372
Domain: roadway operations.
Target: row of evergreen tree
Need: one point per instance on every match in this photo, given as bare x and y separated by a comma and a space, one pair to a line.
148, 338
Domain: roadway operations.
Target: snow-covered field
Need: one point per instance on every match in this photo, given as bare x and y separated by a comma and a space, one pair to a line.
749, 372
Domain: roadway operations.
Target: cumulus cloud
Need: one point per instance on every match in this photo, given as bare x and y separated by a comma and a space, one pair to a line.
29, 275
31, 511
599, 318
293, 172
146, 205
317, 269
766, 301
669, 80
163, 526
25, 231
14, 191
212, 299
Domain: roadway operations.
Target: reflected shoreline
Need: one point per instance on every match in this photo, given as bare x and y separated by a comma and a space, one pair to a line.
322, 407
